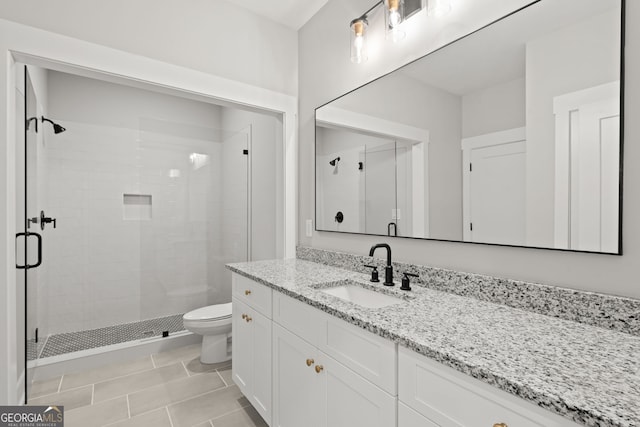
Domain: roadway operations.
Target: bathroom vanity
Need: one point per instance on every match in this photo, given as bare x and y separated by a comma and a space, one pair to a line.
304, 355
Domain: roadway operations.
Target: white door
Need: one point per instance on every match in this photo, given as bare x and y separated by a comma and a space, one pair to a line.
494, 194
588, 169
242, 348
295, 382
251, 369
261, 364
348, 400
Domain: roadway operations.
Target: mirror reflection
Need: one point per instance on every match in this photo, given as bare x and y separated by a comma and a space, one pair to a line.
510, 135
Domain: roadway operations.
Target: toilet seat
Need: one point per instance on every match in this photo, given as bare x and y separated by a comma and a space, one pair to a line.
211, 312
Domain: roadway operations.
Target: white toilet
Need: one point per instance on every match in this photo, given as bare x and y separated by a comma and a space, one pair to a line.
214, 324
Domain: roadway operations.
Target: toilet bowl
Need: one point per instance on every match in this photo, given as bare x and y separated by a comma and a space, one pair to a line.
214, 324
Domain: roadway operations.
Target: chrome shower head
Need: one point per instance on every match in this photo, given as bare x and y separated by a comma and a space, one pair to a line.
56, 127
334, 161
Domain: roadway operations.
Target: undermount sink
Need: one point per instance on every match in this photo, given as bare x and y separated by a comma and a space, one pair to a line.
355, 293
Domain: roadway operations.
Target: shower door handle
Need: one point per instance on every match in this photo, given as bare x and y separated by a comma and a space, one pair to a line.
26, 235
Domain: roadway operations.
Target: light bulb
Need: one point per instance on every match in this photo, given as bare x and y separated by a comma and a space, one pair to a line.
394, 18
357, 44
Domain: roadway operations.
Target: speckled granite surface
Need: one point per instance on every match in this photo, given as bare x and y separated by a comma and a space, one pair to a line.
606, 311
585, 373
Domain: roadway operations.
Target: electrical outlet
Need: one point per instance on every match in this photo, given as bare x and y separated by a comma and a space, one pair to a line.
309, 227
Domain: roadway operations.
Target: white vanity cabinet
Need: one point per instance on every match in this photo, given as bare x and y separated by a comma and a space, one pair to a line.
251, 343
431, 394
300, 366
314, 389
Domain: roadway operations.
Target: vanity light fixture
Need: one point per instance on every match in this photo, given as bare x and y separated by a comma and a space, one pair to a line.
358, 40
393, 17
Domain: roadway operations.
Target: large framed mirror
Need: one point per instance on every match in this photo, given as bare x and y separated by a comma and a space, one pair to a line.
511, 135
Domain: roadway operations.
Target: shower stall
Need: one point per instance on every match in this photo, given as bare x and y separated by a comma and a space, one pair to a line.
134, 200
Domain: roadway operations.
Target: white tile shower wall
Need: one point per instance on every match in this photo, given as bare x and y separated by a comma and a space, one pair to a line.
103, 269
108, 270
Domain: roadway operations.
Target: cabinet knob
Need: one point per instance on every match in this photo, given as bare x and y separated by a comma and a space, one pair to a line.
310, 362
500, 425
244, 316
247, 292
319, 368
248, 319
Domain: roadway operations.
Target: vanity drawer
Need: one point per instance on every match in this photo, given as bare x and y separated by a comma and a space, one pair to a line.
367, 354
252, 293
298, 317
450, 398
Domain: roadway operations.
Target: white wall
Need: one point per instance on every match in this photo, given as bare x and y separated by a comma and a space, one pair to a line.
215, 37
571, 59
326, 72
494, 109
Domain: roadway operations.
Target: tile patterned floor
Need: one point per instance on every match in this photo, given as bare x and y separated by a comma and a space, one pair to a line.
170, 389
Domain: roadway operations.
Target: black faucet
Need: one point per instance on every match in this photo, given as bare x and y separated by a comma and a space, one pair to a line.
388, 270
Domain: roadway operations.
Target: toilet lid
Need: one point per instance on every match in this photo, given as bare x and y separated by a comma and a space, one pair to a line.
218, 311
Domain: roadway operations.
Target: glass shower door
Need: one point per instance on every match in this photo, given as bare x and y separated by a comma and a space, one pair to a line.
28, 237
197, 179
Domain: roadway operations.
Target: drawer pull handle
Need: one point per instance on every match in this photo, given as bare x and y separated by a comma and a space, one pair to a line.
248, 319
319, 368
310, 362
500, 425
247, 292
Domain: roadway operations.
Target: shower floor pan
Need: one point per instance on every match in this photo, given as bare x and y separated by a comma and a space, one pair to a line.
69, 342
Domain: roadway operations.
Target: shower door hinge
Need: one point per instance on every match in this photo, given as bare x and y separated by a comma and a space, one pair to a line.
245, 152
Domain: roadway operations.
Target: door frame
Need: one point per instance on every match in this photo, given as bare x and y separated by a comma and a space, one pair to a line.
468, 145
23, 44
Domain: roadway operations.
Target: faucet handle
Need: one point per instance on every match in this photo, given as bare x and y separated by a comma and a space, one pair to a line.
374, 273
406, 285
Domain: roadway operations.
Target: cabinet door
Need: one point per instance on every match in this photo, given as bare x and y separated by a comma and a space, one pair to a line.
295, 382
251, 369
348, 400
407, 417
242, 347
261, 363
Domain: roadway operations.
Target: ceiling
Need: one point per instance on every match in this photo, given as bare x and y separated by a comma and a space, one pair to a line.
291, 13
496, 54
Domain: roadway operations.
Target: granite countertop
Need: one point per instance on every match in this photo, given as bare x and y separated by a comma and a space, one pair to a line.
587, 374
